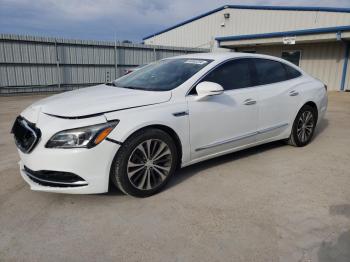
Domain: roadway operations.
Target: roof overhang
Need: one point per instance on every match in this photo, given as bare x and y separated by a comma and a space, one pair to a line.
325, 34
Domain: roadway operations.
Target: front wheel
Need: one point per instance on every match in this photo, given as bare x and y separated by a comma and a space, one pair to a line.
303, 127
145, 163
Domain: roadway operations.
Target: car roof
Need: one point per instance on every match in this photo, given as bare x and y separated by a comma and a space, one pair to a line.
220, 56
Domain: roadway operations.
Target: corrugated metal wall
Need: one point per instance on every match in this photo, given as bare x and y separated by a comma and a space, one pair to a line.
322, 60
201, 32
325, 62
27, 61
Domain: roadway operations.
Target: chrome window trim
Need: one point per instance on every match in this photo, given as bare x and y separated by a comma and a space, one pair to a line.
212, 69
215, 144
243, 57
269, 129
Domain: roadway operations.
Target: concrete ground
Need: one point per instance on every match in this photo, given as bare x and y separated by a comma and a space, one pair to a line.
271, 203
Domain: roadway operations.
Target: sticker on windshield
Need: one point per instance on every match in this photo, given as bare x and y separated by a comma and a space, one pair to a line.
196, 62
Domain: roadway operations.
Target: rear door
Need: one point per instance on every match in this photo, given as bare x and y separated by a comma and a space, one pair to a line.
278, 96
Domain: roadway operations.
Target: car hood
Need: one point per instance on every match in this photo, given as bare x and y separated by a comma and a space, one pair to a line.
99, 99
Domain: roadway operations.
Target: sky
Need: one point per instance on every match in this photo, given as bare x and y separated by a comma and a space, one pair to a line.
115, 19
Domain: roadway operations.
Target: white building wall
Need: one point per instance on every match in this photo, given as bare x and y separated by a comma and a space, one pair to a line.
202, 32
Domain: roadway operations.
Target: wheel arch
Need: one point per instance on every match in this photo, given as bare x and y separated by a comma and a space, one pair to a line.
313, 105
170, 131
297, 110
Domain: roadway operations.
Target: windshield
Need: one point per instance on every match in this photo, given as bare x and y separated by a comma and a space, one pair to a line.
162, 75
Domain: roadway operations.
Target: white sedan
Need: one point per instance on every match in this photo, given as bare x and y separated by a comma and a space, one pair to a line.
137, 130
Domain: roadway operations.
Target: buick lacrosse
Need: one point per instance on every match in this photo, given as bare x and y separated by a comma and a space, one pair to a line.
139, 129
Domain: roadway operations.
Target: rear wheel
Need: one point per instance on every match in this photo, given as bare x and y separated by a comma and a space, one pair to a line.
303, 127
144, 163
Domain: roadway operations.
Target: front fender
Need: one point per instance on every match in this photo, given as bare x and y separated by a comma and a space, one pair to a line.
135, 119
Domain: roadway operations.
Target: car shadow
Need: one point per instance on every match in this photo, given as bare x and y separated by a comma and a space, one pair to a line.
187, 172
336, 252
339, 250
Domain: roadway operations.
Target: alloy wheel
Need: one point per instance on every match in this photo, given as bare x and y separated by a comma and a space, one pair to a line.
149, 164
305, 126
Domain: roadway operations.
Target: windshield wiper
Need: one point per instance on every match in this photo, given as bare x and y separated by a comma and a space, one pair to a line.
129, 87
133, 87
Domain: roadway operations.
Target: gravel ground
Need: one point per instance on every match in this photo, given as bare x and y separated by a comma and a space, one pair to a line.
270, 203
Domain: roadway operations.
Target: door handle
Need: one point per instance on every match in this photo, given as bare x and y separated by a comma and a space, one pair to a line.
293, 93
249, 102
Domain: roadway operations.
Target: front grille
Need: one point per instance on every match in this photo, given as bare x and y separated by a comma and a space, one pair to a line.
26, 134
55, 178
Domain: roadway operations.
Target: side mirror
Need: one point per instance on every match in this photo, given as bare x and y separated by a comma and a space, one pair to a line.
206, 89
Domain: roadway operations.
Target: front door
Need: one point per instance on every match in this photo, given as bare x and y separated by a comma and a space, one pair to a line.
229, 120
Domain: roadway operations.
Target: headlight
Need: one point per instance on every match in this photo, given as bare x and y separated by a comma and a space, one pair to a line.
84, 137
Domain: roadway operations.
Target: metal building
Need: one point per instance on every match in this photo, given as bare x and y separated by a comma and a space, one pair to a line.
31, 63
315, 38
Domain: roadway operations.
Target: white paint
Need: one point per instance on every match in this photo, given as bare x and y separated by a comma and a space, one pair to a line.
221, 117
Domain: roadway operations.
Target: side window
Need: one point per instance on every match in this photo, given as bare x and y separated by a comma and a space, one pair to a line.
291, 72
234, 74
270, 71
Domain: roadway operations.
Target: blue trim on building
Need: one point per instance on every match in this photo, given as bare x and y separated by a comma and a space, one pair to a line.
291, 8
345, 66
285, 33
255, 7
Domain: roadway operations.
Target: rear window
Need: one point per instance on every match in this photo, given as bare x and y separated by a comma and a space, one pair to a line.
270, 71
291, 72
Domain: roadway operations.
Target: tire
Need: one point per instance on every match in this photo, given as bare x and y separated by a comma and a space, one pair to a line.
303, 127
135, 173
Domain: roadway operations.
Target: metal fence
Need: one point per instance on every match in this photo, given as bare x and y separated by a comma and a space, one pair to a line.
41, 64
